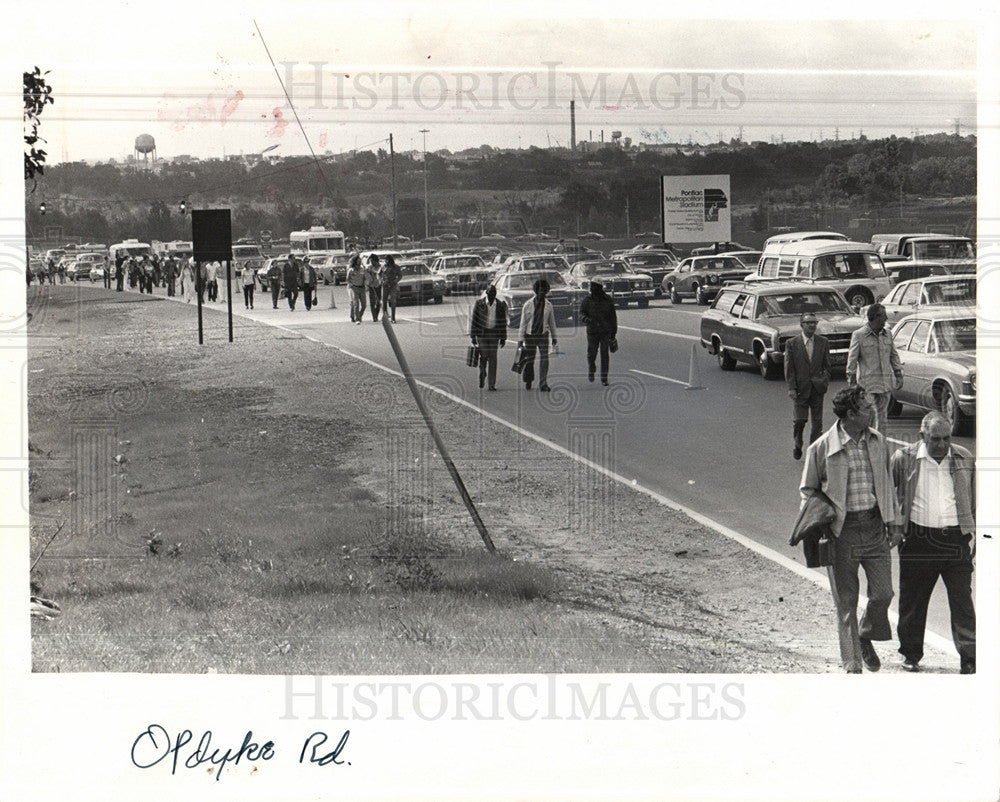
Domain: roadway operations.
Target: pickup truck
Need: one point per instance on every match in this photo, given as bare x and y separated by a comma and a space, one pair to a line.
909, 256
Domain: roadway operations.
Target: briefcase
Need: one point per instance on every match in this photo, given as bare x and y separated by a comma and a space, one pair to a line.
472, 356
518, 365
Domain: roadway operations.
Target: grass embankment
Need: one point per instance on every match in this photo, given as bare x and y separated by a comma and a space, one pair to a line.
224, 509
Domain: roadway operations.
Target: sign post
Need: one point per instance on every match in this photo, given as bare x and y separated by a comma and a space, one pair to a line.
212, 241
695, 208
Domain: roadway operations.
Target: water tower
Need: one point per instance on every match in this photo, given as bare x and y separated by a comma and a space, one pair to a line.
144, 146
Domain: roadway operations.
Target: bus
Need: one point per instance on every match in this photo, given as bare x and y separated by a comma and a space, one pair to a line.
317, 241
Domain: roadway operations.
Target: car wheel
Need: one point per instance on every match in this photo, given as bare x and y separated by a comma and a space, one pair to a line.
858, 297
765, 365
726, 361
699, 295
895, 408
948, 405
674, 297
643, 303
438, 299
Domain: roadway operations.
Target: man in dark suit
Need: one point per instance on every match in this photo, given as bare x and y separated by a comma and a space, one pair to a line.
807, 371
488, 329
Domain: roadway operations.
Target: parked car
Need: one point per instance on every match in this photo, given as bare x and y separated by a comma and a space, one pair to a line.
591, 235
330, 267
418, 284
539, 261
938, 350
655, 264
619, 280
752, 321
700, 277
516, 289
79, 267
717, 248
261, 274
918, 295
851, 267
750, 258
909, 256
463, 273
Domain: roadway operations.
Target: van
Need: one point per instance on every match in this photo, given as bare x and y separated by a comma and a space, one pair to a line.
801, 236
854, 268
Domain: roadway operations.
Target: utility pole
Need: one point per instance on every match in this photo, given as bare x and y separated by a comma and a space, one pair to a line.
628, 228
392, 167
427, 228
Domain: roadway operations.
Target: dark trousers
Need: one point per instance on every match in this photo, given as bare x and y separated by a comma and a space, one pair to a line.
533, 342
925, 555
862, 543
275, 292
213, 290
107, 279
120, 281
292, 294
804, 407
248, 295
595, 343
171, 286
309, 295
375, 300
488, 348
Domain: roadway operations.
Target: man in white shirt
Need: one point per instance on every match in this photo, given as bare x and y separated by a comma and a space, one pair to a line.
935, 484
538, 323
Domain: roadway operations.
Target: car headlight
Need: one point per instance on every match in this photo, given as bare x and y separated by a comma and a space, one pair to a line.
713, 279
969, 385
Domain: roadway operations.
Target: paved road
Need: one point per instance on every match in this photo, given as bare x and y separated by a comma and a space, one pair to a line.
721, 447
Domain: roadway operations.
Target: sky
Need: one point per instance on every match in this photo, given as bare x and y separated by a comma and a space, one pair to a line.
202, 82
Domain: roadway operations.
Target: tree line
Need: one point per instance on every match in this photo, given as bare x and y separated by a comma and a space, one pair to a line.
490, 188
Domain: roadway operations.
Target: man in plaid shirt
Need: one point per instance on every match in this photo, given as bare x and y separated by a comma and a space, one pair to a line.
850, 464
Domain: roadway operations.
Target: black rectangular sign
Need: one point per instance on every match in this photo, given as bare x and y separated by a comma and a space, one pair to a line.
212, 235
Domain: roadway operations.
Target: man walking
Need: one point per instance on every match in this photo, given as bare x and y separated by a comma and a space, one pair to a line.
850, 464
373, 281
936, 486
249, 281
390, 277
873, 363
488, 329
538, 323
807, 371
356, 286
598, 314
274, 282
290, 274
307, 279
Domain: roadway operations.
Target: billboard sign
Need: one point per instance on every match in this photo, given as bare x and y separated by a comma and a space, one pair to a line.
695, 208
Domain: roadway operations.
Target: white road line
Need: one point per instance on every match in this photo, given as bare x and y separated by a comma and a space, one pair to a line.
809, 574
657, 376
663, 333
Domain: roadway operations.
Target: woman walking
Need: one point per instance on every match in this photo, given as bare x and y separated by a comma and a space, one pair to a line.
599, 315
187, 282
356, 284
249, 280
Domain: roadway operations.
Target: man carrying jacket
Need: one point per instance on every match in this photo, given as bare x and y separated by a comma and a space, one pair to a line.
290, 276
488, 329
936, 488
599, 316
807, 371
538, 323
850, 464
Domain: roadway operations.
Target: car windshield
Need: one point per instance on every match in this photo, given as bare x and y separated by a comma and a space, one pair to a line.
598, 268
415, 270
728, 263
463, 261
944, 249
956, 335
951, 292
652, 260
520, 281
543, 263
799, 302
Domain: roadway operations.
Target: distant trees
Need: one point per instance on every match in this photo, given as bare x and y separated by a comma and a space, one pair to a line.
37, 94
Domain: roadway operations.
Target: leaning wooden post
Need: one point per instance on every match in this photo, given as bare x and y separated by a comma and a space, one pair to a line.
469, 505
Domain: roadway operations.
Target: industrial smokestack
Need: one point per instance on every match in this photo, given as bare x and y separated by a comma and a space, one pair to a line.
572, 125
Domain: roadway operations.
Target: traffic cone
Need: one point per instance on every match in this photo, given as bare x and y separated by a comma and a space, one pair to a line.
694, 373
